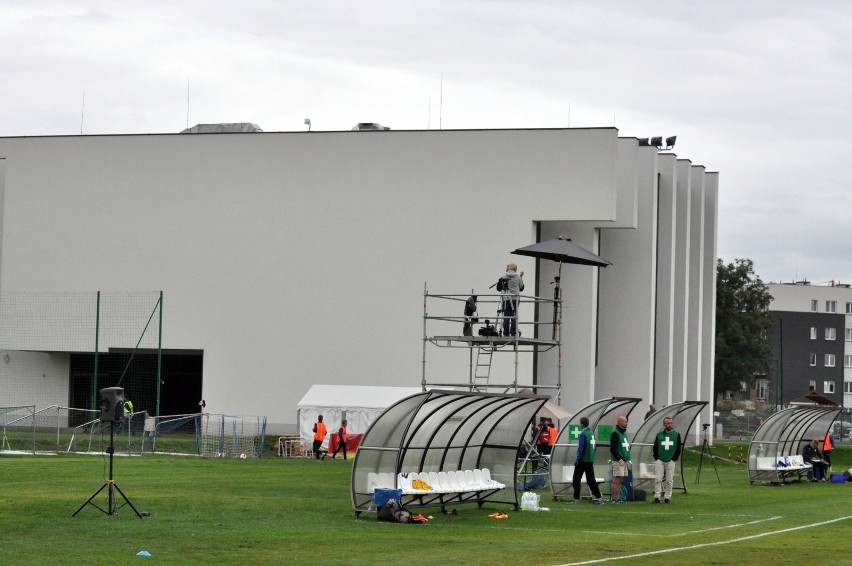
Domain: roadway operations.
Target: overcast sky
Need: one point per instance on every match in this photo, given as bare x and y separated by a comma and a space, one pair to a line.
758, 91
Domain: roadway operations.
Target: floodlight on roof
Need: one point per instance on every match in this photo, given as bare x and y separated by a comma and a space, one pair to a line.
308, 123
643, 142
670, 141
657, 142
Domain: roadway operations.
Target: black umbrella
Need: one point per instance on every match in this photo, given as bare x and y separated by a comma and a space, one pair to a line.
563, 250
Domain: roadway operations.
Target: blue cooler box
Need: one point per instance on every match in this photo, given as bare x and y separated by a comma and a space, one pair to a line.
381, 496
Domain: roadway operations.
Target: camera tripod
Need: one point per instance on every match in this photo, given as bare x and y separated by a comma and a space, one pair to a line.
111, 486
705, 449
556, 303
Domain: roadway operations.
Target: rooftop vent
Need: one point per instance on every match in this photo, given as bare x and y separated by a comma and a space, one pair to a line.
230, 128
368, 126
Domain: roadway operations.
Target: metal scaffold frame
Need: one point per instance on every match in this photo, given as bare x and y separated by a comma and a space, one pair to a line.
449, 313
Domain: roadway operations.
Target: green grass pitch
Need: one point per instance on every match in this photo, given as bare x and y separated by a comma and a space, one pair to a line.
298, 511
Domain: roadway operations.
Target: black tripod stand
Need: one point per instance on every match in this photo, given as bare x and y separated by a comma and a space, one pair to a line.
112, 505
705, 449
556, 296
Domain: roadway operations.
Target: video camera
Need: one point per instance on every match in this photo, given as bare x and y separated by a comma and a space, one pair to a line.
488, 330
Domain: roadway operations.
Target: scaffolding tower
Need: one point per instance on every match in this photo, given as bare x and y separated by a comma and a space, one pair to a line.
446, 324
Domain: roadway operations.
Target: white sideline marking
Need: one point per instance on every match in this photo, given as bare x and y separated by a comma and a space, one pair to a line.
502, 528
706, 544
726, 527
687, 532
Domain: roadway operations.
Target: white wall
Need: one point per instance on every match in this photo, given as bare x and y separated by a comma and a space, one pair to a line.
627, 315
666, 253
695, 337
706, 376
34, 378
682, 282
297, 258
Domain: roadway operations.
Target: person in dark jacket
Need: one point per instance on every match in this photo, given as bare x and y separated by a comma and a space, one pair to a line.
584, 464
341, 440
812, 456
619, 449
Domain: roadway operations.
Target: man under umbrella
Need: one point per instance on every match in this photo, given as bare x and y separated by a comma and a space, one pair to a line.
512, 285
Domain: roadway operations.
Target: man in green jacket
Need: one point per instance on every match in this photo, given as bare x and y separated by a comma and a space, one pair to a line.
619, 449
666, 453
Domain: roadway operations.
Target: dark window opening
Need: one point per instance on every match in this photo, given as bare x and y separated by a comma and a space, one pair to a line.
181, 377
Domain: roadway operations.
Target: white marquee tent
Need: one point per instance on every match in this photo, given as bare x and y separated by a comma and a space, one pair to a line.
359, 404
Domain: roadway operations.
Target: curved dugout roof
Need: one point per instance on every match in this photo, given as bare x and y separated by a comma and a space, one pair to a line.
442, 430
785, 433
642, 449
602, 415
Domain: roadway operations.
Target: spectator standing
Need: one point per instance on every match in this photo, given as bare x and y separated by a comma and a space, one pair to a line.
511, 285
666, 453
827, 447
552, 433
341, 440
319, 436
542, 442
585, 464
619, 448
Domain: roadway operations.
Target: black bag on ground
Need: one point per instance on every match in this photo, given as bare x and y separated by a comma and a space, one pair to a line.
393, 512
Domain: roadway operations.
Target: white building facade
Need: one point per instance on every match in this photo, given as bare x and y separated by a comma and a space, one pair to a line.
292, 259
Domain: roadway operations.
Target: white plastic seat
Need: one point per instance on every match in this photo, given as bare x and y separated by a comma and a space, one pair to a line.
461, 481
435, 482
386, 480
444, 482
409, 483
470, 479
494, 484
403, 481
480, 479
424, 477
372, 481
453, 480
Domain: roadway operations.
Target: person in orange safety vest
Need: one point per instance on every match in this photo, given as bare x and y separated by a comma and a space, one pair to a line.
551, 428
319, 437
827, 447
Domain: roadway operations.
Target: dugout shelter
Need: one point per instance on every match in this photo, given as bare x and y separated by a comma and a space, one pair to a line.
642, 446
602, 415
783, 435
445, 431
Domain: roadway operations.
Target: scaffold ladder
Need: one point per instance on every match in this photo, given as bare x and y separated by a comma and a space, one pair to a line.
482, 369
